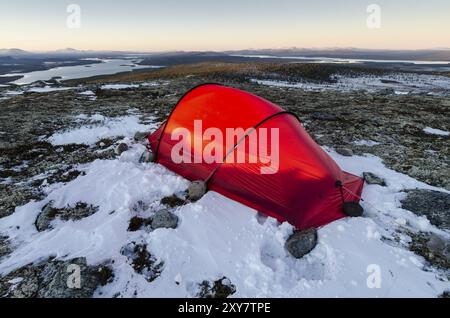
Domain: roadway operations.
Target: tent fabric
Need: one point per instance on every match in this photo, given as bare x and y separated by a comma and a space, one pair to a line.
305, 189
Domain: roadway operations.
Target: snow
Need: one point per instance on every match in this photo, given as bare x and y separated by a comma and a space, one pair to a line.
13, 93
87, 93
101, 127
368, 143
119, 86
48, 89
219, 237
434, 131
400, 83
45, 89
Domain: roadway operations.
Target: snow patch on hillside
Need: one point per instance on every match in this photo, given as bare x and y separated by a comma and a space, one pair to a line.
101, 127
399, 84
434, 131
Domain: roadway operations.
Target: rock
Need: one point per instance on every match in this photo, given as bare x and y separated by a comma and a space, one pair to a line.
164, 219
5, 248
353, 209
147, 157
371, 178
435, 205
221, 288
434, 248
344, 152
439, 246
197, 190
387, 91
142, 261
301, 243
445, 294
122, 147
141, 136
55, 279
12, 196
323, 116
49, 213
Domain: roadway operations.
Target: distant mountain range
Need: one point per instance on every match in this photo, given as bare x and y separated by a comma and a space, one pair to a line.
351, 53
354, 53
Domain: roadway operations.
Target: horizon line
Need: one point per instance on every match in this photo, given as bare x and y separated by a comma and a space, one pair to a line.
228, 50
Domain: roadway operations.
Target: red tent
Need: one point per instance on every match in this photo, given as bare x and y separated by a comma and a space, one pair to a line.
307, 190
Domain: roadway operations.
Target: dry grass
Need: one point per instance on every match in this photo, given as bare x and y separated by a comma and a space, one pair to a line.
178, 71
237, 72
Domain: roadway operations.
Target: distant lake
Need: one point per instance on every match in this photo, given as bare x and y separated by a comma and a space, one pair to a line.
106, 67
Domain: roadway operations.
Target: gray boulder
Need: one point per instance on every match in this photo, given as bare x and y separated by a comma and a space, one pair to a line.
301, 243
324, 116
434, 248
439, 246
141, 136
197, 190
164, 219
435, 205
344, 152
371, 178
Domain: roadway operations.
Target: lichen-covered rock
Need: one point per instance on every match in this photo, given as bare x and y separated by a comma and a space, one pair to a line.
55, 279
164, 219
434, 248
435, 205
12, 196
301, 243
346, 152
323, 116
372, 178
197, 190
5, 247
221, 288
49, 213
141, 136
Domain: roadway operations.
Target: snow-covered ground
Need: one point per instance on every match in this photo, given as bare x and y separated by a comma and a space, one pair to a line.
400, 83
99, 127
218, 237
434, 131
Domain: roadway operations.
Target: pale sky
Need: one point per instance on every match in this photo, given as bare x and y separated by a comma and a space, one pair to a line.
155, 25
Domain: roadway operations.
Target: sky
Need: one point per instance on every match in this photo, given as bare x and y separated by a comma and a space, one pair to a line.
164, 25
